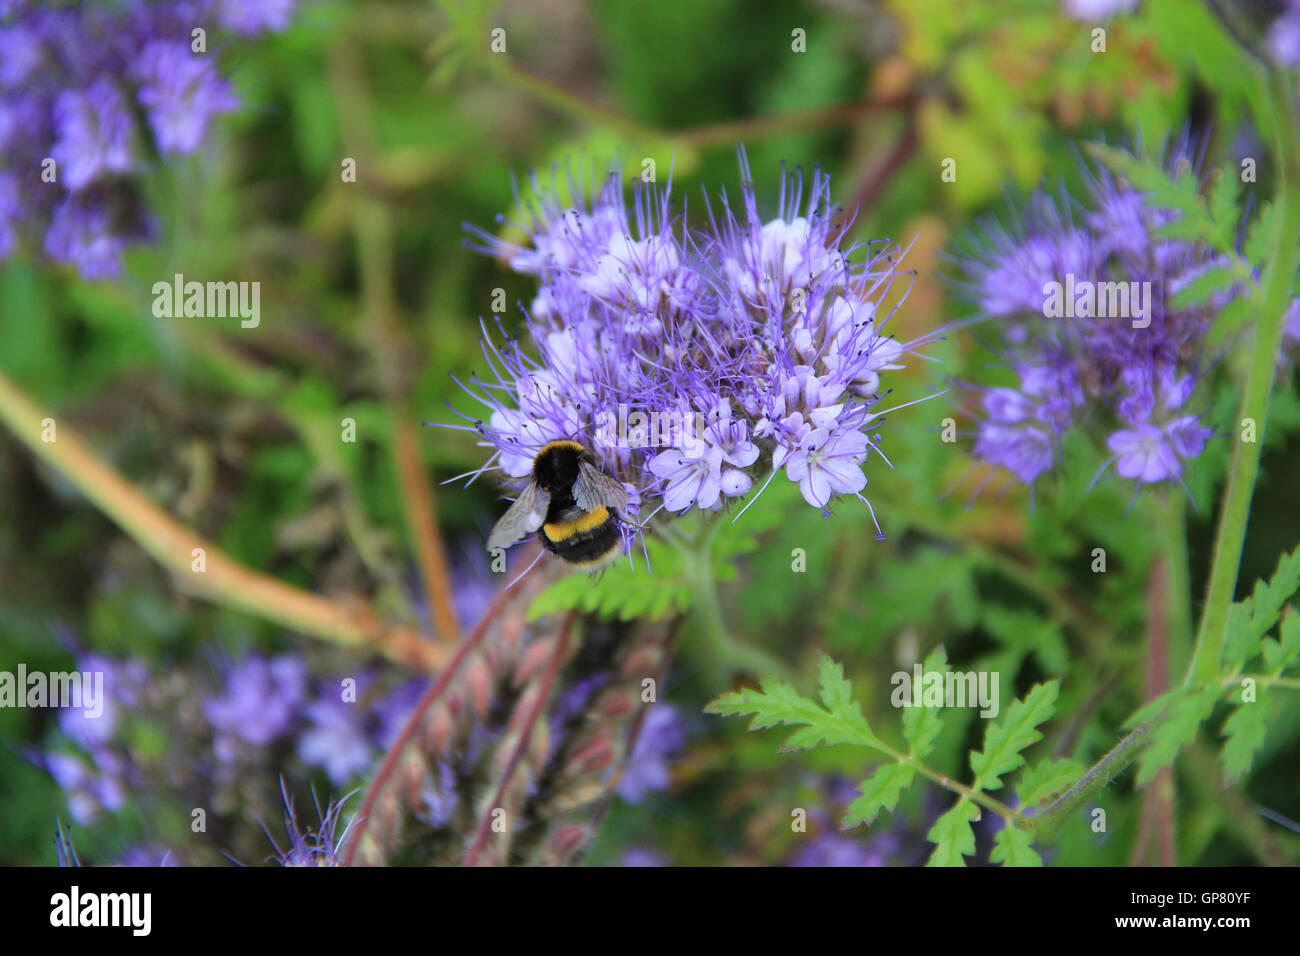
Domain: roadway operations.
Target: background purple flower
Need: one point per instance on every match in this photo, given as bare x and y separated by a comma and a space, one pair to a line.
647, 770
1126, 379
182, 93
73, 79
335, 739
259, 703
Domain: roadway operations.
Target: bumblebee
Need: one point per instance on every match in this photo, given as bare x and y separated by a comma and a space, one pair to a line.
576, 505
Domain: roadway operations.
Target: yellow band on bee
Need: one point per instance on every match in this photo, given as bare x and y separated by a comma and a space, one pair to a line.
587, 521
562, 443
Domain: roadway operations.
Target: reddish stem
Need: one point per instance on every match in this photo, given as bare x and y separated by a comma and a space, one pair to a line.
436, 690
525, 735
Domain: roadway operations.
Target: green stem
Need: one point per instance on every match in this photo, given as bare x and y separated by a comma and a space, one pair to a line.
1048, 824
1276, 290
722, 651
1172, 510
974, 796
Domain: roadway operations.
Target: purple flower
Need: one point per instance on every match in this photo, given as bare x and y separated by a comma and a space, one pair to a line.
80, 235
259, 705
393, 709
319, 847
182, 92
89, 791
1291, 329
833, 849
1283, 39
688, 360
336, 739
73, 80
94, 134
647, 770
1090, 10
148, 856
10, 213
251, 17
1125, 377
692, 476
440, 797
1149, 454
123, 683
1143, 453
639, 856
826, 464
20, 54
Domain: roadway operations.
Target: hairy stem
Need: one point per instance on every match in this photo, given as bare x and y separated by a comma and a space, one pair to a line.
1276, 292
1048, 825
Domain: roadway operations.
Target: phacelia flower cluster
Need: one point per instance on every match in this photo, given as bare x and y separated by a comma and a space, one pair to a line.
89, 93
695, 362
1085, 300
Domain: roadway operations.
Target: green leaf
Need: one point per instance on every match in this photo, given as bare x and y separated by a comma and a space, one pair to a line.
1251, 619
1014, 847
1186, 714
836, 691
1179, 191
953, 836
1211, 280
622, 592
878, 792
922, 725
1046, 779
1154, 707
1223, 205
1004, 741
1261, 240
1024, 630
1229, 319
1279, 655
841, 722
1244, 734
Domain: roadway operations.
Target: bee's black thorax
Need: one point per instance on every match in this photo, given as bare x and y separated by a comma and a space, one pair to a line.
556, 466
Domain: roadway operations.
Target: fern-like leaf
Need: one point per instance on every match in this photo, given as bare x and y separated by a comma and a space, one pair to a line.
952, 835
1004, 741
1012, 847
878, 792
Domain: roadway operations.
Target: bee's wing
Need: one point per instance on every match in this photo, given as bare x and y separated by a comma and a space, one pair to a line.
522, 518
594, 488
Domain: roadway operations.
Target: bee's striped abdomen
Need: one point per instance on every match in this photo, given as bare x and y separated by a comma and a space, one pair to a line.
586, 539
